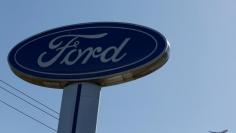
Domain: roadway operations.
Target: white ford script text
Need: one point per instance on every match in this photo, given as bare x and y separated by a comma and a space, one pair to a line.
82, 55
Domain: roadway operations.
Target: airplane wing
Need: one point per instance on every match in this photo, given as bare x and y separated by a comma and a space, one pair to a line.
212, 132
224, 131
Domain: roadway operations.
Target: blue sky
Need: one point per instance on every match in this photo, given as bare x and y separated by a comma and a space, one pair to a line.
194, 92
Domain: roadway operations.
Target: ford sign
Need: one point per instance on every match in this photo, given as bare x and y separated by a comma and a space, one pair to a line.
105, 53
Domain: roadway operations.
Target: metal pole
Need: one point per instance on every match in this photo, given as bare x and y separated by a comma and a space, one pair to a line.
79, 108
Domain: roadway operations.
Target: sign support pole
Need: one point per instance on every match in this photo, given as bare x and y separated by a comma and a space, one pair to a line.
79, 108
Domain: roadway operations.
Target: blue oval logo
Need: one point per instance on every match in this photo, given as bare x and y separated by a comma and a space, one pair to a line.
105, 52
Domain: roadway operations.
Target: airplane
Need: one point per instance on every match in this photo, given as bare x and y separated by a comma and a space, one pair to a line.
224, 131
